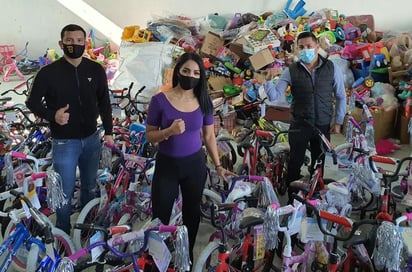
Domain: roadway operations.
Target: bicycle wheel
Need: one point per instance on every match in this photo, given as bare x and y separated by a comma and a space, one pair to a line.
208, 258
242, 169
62, 243
229, 157
361, 199
20, 260
88, 215
208, 198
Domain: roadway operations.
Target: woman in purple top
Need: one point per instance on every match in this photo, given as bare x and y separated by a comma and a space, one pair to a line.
179, 119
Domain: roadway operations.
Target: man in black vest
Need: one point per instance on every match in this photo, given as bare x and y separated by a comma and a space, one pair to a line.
316, 83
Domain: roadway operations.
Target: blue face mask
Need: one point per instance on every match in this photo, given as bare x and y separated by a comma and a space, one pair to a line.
307, 55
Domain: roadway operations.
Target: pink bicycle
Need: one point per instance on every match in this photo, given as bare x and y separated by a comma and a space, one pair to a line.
8, 62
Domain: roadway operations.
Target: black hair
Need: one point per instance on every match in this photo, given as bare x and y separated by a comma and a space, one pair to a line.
307, 34
200, 90
72, 27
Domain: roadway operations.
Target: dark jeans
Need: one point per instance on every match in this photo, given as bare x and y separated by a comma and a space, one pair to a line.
190, 174
299, 138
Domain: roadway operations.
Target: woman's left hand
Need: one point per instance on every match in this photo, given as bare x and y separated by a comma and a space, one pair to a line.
222, 172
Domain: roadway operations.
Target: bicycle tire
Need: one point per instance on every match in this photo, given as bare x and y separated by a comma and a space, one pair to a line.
208, 197
204, 260
208, 258
229, 157
87, 215
362, 203
242, 169
65, 247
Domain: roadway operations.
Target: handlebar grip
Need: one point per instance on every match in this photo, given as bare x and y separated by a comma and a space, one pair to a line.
39, 175
263, 133
167, 228
255, 178
78, 254
127, 237
334, 158
15, 193
18, 155
383, 159
341, 220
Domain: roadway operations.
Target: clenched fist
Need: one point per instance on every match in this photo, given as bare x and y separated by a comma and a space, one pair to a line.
177, 127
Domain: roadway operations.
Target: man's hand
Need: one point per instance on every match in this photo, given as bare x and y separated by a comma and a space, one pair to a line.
335, 129
62, 116
108, 139
272, 72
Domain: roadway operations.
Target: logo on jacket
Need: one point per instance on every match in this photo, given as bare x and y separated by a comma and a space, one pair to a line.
89, 79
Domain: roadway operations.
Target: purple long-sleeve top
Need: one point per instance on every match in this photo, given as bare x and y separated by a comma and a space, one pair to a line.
161, 114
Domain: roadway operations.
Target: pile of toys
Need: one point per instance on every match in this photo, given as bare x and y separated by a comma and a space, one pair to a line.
238, 48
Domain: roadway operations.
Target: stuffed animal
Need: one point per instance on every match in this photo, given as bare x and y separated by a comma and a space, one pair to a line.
387, 146
401, 44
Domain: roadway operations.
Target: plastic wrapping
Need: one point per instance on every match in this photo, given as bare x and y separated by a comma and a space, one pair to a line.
366, 178
270, 231
267, 193
106, 158
65, 265
388, 249
56, 198
8, 169
370, 137
182, 258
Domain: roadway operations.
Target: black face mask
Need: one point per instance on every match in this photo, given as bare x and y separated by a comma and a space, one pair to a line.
187, 82
73, 51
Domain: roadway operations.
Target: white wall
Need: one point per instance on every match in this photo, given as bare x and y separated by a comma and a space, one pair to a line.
40, 21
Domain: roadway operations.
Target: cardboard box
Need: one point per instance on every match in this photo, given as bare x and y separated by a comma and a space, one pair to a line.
211, 44
218, 82
276, 113
384, 122
261, 59
237, 48
402, 130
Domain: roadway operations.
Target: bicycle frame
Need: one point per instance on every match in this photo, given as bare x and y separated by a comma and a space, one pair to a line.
122, 237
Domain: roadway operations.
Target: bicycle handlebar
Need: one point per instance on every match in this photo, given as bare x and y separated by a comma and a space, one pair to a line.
340, 220
45, 228
139, 235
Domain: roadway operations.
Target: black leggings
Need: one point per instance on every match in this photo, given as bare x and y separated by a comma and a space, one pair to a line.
190, 174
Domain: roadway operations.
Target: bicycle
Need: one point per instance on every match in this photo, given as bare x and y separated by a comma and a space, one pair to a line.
23, 239
307, 260
123, 100
8, 63
238, 188
227, 153
144, 258
248, 254
123, 200
349, 260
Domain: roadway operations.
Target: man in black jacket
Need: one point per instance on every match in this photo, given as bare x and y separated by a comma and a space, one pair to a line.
71, 93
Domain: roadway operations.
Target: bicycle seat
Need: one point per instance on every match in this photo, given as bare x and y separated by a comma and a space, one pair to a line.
251, 217
300, 185
282, 147
366, 236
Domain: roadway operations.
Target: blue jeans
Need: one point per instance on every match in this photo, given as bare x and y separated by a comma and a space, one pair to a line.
67, 155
